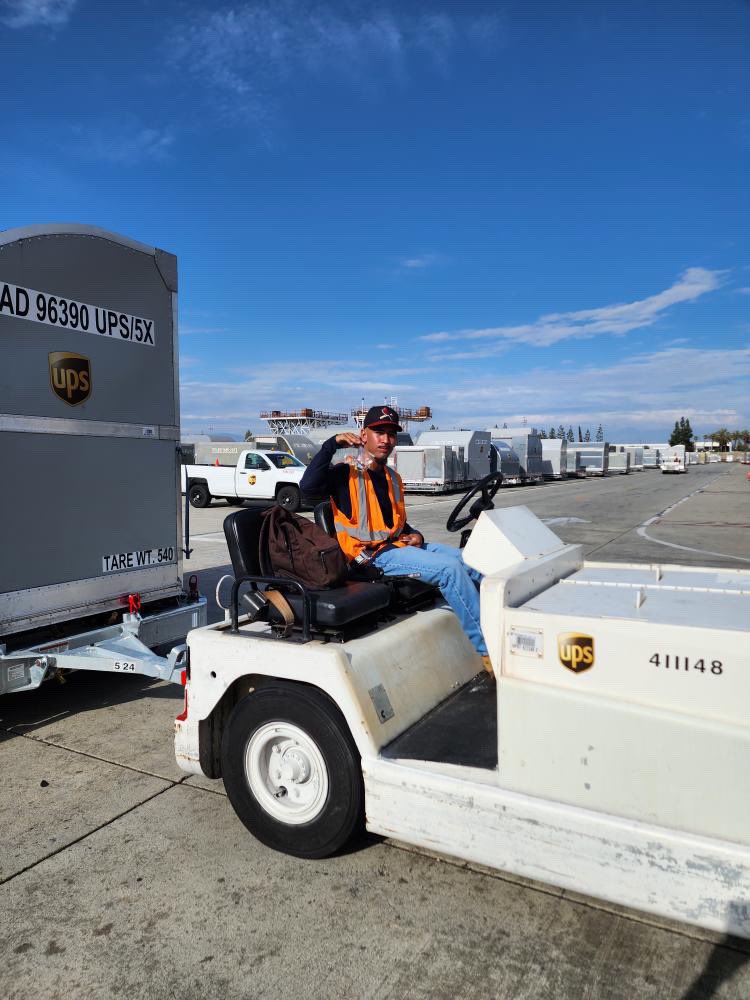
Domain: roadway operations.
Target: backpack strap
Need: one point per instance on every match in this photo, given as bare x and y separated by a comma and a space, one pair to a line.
283, 607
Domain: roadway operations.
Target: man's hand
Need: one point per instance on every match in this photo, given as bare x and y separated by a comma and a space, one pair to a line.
412, 539
348, 440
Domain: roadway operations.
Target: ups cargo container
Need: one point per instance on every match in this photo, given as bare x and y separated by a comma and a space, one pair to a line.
90, 525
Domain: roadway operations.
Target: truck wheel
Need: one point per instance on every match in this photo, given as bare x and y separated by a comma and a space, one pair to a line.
289, 497
199, 495
292, 772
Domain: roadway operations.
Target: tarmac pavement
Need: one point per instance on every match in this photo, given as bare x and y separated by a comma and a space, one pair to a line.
120, 878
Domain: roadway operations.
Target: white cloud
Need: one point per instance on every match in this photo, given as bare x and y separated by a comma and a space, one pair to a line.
125, 141
385, 347
36, 13
742, 291
333, 385
710, 387
248, 50
639, 396
617, 319
418, 263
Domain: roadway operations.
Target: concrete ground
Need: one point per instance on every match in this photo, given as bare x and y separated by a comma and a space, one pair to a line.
119, 878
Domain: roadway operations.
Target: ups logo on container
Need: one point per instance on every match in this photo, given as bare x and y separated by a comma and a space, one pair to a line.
70, 376
576, 651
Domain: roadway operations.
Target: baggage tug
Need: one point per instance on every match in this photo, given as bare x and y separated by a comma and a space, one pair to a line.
609, 757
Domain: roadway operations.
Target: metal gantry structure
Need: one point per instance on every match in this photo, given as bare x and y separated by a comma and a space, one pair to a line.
307, 419
301, 421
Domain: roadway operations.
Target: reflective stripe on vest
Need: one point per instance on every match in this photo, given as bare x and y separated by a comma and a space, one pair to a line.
356, 533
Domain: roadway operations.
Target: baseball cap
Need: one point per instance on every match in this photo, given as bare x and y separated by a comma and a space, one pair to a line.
380, 416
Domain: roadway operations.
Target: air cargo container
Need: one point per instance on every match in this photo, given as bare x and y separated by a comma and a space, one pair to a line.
595, 457
504, 459
91, 570
476, 449
436, 468
555, 458
527, 444
574, 464
619, 462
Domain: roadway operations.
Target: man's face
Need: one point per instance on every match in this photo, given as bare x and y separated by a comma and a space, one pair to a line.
379, 441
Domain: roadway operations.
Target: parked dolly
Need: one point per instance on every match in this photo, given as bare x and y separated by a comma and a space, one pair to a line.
611, 756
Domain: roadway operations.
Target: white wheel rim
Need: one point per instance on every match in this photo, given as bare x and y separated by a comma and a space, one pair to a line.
286, 773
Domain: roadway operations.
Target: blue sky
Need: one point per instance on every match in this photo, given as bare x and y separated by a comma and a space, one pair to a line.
499, 210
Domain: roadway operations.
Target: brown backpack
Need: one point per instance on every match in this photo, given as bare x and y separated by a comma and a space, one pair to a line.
299, 550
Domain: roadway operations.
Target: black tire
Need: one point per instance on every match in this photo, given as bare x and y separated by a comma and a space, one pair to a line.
342, 812
235, 501
199, 495
290, 498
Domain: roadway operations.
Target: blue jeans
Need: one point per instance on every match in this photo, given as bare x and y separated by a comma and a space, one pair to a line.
444, 566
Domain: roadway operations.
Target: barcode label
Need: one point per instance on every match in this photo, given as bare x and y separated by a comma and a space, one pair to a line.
527, 642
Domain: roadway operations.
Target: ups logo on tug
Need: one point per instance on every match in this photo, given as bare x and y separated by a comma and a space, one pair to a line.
576, 651
70, 375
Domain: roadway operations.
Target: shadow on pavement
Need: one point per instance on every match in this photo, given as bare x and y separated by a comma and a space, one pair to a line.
725, 959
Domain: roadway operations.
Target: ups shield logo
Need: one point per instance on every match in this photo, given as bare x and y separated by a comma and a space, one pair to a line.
576, 651
251, 480
70, 376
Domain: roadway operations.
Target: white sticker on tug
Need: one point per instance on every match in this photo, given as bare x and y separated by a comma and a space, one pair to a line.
526, 642
118, 561
56, 310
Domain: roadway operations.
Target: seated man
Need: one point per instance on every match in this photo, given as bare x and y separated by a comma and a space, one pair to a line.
370, 517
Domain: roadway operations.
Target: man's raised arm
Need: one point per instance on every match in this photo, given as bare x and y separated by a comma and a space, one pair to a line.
317, 480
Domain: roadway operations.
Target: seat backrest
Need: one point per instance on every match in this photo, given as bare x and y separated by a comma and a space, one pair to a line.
323, 515
242, 532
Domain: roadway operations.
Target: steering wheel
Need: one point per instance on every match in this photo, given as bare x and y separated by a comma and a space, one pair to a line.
487, 487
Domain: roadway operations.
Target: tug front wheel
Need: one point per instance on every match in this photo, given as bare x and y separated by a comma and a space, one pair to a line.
292, 771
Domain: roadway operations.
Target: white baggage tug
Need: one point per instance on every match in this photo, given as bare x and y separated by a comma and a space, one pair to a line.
611, 756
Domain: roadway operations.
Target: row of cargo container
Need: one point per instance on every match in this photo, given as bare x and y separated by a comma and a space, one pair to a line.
441, 461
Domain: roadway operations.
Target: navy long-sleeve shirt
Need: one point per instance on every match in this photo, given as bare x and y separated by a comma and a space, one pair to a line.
323, 479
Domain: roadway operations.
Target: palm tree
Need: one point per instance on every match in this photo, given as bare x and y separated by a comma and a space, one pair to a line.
722, 437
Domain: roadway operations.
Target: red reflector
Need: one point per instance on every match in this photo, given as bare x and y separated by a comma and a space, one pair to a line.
134, 603
182, 717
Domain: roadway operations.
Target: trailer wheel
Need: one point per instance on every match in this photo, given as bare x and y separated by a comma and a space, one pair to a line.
199, 495
292, 772
289, 497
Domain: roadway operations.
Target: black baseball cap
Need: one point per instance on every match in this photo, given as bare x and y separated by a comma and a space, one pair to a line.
382, 416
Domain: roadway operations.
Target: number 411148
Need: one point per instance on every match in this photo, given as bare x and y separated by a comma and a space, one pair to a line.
683, 663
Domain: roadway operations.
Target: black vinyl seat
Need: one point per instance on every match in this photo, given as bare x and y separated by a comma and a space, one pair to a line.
332, 609
407, 593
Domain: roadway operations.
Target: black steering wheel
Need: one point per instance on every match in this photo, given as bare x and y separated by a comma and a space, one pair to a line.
487, 487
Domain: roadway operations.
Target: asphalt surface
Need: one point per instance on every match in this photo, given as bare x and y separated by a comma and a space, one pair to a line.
121, 877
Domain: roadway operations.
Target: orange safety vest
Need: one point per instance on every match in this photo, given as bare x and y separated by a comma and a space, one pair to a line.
366, 530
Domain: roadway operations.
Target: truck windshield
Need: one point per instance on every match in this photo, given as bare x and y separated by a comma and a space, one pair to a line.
285, 461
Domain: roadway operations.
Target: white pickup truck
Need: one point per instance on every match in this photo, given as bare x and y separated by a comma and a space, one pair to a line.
258, 475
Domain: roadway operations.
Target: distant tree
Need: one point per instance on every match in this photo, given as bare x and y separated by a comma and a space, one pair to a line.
505, 425
722, 437
571, 435
561, 432
543, 434
248, 436
580, 435
587, 436
683, 434
600, 433
552, 434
